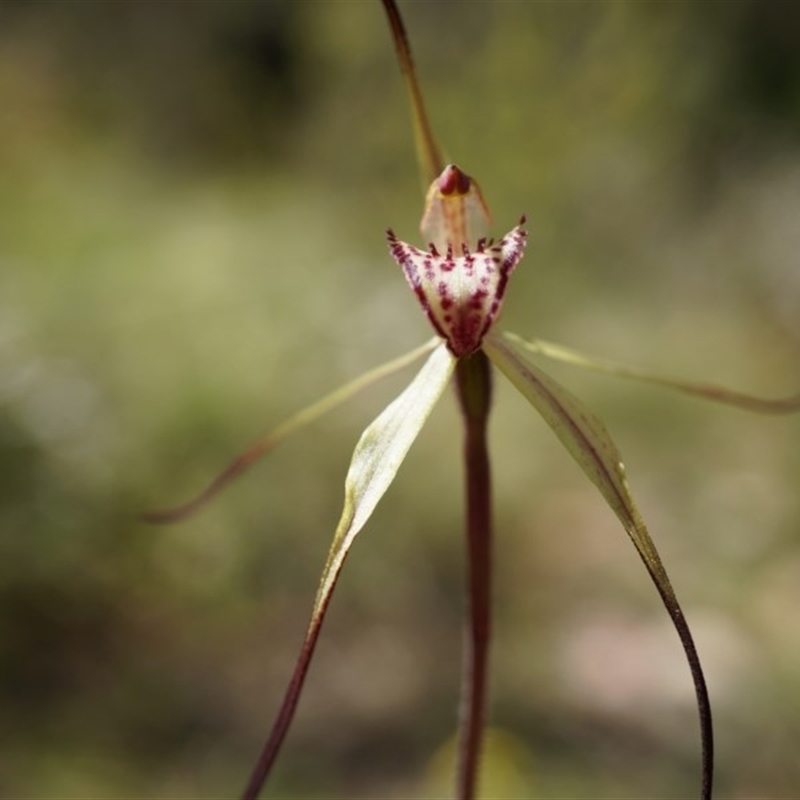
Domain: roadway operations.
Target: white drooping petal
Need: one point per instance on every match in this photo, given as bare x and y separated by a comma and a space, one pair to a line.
461, 293
378, 455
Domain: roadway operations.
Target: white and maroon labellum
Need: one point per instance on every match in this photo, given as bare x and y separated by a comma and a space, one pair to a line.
461, 289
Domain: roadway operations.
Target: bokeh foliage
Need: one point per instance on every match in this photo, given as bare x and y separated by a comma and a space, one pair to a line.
192, 205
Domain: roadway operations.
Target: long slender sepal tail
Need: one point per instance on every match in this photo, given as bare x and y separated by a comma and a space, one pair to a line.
587, 440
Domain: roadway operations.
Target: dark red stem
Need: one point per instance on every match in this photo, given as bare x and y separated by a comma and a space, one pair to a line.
473, 377
280, 726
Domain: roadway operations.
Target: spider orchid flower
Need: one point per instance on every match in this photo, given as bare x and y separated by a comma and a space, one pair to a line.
460, 279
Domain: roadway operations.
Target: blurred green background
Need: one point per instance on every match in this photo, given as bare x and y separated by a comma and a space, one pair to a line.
192, 205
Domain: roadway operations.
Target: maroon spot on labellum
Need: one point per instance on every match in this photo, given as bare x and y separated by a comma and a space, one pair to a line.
476, 299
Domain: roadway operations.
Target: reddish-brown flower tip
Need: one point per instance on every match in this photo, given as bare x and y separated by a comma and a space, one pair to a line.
453, 181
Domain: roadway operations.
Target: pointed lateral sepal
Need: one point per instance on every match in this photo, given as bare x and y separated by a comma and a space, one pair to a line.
462, 294
378, 455
707, 391
589, 443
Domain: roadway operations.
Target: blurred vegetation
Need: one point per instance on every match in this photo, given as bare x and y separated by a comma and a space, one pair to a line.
192, 205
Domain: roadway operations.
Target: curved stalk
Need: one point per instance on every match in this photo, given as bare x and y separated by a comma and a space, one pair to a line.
429, 155
280, 727
473, 381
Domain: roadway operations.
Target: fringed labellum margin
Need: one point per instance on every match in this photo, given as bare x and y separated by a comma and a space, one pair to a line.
461, 279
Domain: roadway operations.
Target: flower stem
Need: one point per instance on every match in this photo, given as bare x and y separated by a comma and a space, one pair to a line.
473, 380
